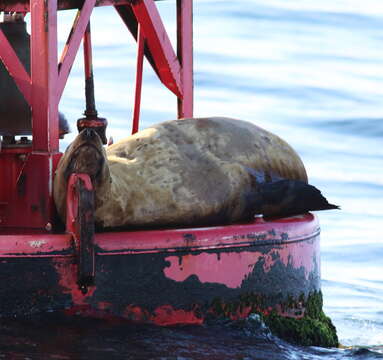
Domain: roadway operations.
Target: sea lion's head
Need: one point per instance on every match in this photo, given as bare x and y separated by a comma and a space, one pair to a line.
85, 155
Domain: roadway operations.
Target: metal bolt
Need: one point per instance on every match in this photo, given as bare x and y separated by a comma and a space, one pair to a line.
84, 289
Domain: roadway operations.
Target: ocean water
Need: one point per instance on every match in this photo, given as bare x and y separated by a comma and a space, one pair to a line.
311, 72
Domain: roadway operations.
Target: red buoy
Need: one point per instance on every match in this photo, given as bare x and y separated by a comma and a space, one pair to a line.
165, 277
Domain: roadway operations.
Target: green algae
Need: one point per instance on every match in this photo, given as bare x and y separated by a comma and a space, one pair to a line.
313, 329
306, 324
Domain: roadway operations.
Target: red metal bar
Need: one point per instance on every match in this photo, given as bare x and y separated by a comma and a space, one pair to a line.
87, 43
72, 201
128, 17
44, 76
140, 60
23, 5
228, 236
26, 189
73, 43
169, 69
36, 245
15, 67
185, 55
91, 120
168, 240
90, 110
80, 223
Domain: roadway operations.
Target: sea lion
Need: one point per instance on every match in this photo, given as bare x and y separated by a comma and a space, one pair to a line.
183, 172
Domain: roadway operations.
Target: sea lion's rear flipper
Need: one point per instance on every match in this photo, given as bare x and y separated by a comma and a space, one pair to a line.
289, 197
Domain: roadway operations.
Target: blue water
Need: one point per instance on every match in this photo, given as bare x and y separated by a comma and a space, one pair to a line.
310, 71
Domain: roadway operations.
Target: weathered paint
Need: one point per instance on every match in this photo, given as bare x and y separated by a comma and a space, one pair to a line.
180, 276
217, 267
258, 232
175, 277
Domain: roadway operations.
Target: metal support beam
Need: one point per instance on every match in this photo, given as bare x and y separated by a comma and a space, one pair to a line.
185, 55
23, 6
91, 119
44, 76
15, 67
73, 43
157, 39
139, 70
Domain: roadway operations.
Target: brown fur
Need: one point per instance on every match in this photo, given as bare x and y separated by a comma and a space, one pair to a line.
182, 172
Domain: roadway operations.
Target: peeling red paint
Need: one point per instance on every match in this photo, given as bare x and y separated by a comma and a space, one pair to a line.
304, 255
183, 270
67, 271
229, 269
232, 268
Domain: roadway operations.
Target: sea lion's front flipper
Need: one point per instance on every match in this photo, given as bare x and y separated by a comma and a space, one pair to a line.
283, 198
